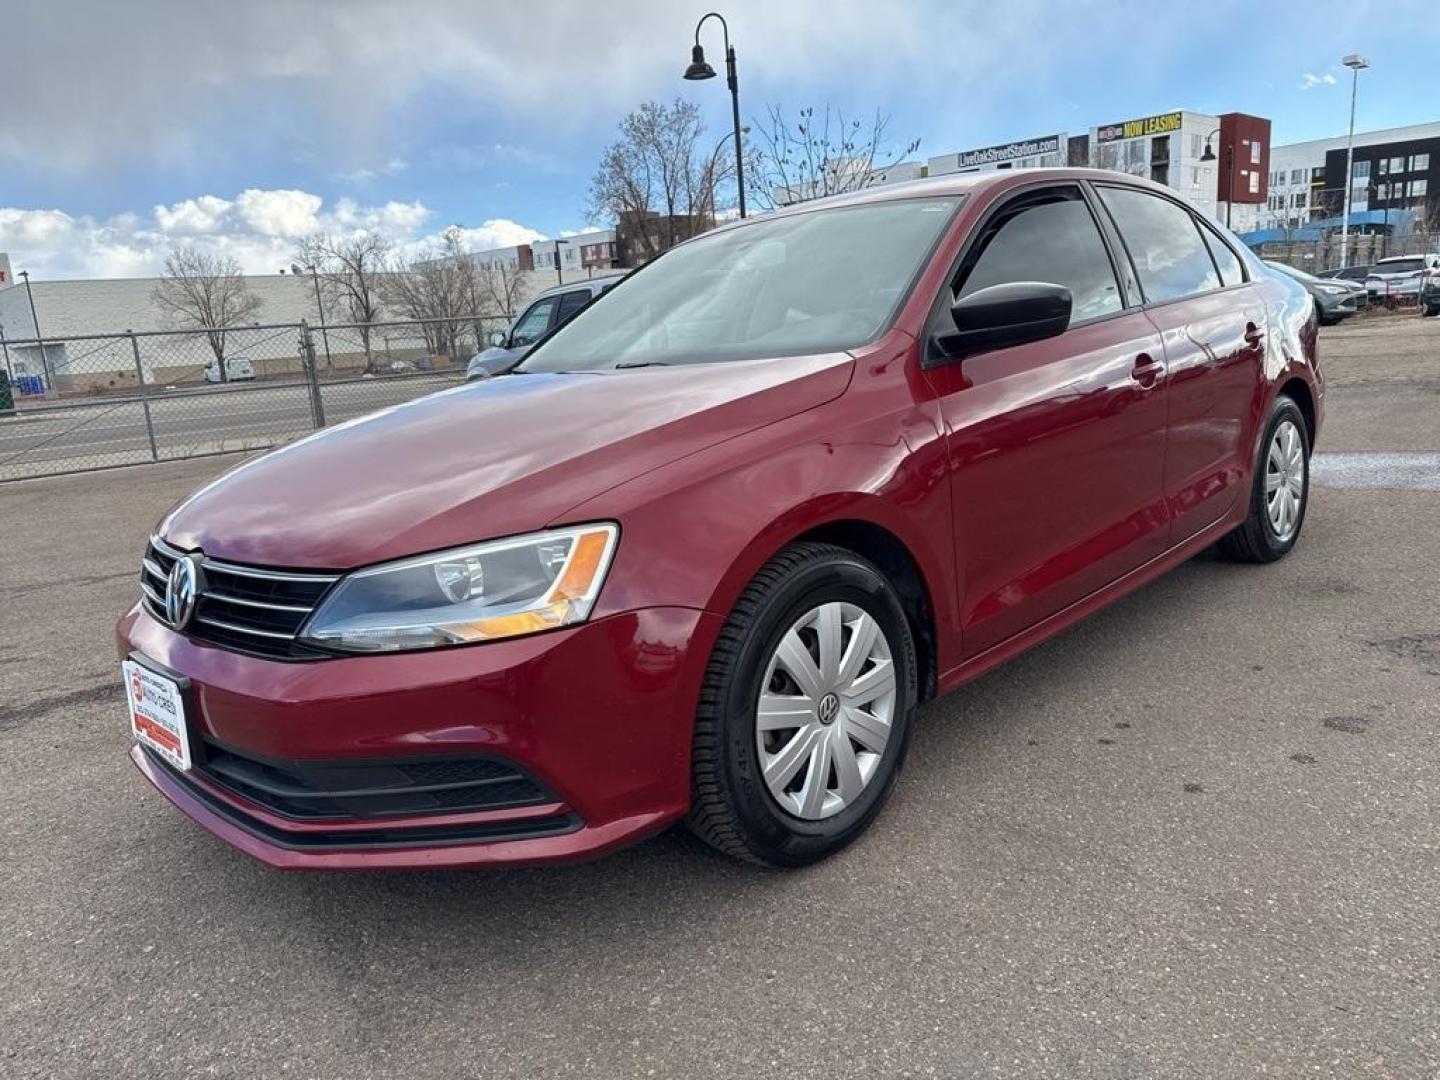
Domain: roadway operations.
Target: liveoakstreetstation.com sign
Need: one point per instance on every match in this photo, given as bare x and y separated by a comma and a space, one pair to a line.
1160, 124
1049, 144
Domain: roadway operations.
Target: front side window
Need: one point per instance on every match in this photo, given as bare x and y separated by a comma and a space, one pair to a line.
1164, 243
1056, 242
794, 284
532, 324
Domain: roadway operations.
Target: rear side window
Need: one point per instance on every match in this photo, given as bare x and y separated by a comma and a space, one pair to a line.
1056, 242
1226, 260
1164, 243
570, 305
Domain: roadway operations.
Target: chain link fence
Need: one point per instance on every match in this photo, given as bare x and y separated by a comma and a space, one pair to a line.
1316, 255
100, 401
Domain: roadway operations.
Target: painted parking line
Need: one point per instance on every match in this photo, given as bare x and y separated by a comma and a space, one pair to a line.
1416, 472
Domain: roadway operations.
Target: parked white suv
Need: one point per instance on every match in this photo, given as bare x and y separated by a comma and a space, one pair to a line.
1402, 277
549, 311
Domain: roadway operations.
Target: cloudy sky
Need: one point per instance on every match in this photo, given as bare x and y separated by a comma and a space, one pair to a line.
126, 128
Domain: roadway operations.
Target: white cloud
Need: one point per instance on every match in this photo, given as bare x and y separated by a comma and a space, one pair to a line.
1309, 80
258, 228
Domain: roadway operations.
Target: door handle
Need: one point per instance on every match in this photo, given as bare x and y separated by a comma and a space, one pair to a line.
1253, 334
1146, 370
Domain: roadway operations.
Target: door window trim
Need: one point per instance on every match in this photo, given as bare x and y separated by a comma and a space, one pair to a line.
1195, 219
945, 295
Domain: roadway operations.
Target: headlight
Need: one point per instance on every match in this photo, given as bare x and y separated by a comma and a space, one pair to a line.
1333, 290
504, 588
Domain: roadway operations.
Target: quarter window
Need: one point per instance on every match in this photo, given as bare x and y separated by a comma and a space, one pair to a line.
1164, 243
1056, 242
1231, 272
570, 305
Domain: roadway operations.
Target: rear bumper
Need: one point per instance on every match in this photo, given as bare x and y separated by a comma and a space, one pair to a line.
598, 715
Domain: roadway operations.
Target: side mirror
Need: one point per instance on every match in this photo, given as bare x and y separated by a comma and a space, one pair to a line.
497, 339
1003, 315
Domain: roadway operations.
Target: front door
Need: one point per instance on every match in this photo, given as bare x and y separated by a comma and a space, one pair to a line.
1056, 447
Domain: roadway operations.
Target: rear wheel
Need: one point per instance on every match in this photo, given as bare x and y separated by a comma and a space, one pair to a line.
806, 709
1280, 490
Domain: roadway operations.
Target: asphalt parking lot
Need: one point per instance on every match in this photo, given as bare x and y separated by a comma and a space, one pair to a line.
1196, 835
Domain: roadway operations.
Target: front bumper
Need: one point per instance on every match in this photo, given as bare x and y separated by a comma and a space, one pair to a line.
599, 715
1340, 305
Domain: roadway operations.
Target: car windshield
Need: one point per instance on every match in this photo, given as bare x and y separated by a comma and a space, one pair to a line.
812, 282
1399, 266
1290, 271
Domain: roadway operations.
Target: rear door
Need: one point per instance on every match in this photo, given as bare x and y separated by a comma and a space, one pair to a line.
1212, 322
1056, 447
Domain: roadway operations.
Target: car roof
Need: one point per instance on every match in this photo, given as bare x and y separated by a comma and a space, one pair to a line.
973, 183
1407, 258
571, 286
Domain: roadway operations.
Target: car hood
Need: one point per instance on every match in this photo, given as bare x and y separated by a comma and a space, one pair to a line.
487, 459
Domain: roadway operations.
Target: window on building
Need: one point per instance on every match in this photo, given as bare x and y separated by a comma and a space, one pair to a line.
1299, 201
1382, 192
1254, 183
1317, 175
1419, 187
1109, 156
1194, 176
1054, 241
1254, 153
1195, 148
1397, 164
1297, 176
1164, 243
1360, 170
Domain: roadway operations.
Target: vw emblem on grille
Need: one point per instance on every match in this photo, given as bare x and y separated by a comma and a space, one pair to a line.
182, 589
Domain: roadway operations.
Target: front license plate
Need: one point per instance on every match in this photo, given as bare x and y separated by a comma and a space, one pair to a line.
157, 713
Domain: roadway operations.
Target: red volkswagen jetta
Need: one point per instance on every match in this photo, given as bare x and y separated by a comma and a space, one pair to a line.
704, 552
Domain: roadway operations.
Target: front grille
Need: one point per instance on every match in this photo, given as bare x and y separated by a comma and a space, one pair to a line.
376, 788
245, 608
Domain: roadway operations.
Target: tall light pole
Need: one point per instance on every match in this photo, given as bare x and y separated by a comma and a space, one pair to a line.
1356, 63
35, 322
699, 69
1209, 155
559, 278
319, 307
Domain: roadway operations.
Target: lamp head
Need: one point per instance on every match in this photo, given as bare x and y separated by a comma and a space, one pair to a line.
698, 68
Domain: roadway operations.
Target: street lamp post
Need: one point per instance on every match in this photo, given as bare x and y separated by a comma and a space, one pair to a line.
1356, 63
35, 322
319, 308
559, 277
1209, 155
699, 69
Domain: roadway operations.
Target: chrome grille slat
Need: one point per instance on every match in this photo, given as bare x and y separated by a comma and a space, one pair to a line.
245, 608
235, 628
226, 598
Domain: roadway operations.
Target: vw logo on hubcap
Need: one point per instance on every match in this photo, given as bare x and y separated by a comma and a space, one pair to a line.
182, 588
829, 706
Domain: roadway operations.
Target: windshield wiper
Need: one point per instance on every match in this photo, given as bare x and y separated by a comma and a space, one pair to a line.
641, 363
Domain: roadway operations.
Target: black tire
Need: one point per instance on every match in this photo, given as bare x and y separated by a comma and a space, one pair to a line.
1256, 541
1432, 310
731, 807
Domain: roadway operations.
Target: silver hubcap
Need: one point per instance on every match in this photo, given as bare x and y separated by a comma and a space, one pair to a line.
825, 710
1285, 480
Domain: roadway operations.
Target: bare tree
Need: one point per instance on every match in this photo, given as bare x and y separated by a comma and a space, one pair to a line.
351, 270
439, 287
820, 154
500, 287
657, 182
206, 293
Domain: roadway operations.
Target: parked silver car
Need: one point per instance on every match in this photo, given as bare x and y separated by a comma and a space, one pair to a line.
1402, 277
1335, 299
549, 311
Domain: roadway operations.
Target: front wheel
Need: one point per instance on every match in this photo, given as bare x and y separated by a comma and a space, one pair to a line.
806, 709
1280, 488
